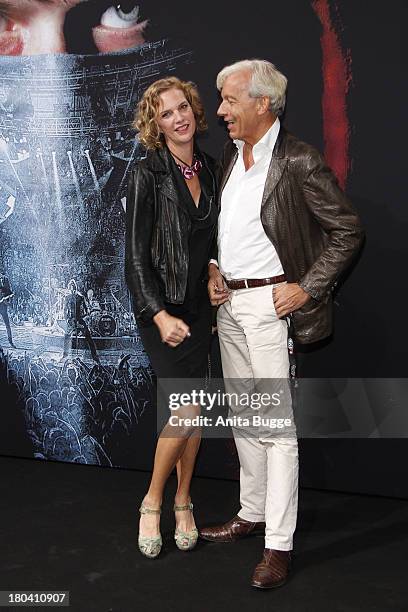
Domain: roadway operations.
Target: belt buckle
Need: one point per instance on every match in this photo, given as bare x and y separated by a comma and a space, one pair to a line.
246, 283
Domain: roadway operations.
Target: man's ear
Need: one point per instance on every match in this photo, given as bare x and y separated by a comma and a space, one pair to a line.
263, 104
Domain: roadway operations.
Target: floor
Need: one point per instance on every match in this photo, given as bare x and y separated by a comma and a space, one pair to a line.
74, 527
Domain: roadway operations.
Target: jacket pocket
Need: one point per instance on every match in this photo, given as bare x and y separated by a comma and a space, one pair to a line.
313, 321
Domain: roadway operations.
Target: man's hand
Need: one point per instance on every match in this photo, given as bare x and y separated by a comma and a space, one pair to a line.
288, 297
217, 289
172, 330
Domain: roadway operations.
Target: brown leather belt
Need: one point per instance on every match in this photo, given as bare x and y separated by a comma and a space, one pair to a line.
255, 282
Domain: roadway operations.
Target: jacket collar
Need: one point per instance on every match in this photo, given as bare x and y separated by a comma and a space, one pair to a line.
158, 160
279, 150
277, 165
160, 163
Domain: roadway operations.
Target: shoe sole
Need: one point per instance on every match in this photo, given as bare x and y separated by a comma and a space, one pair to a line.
272, 586
249, 535
276, 585
148, 556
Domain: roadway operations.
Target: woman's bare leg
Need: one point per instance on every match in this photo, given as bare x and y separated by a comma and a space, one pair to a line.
170, 448
185, 468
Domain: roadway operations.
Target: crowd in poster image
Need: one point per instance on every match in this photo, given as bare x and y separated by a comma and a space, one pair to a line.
75, 412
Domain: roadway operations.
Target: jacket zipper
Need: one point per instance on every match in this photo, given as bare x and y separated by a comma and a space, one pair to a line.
170, 267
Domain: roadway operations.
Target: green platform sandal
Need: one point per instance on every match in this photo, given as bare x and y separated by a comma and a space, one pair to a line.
185, 540
150, 546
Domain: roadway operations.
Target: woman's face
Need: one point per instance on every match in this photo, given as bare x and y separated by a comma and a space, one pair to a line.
175, 118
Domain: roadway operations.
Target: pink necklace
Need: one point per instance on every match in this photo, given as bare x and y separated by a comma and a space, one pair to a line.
188, 171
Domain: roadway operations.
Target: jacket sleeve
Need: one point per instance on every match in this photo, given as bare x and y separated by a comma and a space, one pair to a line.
140, 218
334, 213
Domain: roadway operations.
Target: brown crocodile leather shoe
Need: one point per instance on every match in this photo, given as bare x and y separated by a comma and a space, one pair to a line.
273, 570
235, 529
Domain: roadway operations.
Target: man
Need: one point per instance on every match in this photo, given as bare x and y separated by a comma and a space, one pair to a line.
74, 312
5, 296
31, 27
286, 232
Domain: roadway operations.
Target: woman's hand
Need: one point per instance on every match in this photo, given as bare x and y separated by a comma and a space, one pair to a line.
217, 290
172, 330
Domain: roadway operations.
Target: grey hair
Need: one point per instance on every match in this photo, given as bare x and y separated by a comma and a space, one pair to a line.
266, 81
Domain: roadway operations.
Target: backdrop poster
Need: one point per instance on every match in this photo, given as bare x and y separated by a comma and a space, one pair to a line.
75, 381
67, 98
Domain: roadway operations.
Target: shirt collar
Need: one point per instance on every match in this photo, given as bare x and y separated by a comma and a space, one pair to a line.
265, 145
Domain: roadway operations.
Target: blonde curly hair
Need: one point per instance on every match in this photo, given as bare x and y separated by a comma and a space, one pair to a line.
148, 107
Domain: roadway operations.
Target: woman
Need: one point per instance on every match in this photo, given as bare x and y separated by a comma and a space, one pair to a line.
171, 221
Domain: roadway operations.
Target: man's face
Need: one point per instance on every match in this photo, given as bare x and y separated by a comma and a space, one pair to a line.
238, 109
32, 27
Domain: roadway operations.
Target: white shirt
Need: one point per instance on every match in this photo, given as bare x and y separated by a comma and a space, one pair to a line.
244, 250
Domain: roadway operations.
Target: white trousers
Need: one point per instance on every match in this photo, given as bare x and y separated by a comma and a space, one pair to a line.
253, 342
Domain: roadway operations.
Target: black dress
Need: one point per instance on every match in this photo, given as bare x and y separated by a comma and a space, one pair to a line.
190, 358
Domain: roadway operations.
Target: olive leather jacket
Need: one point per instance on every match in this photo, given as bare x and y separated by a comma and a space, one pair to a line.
311, 224
158, 229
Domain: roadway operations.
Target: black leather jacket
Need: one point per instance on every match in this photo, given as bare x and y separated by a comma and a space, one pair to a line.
158, 230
